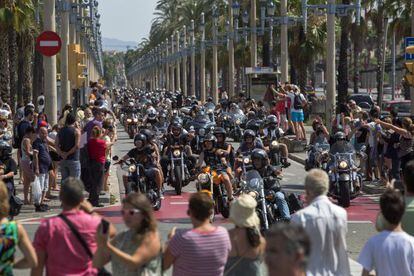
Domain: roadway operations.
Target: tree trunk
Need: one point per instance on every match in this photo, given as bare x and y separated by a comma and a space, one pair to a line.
12, 37
343, 58
4, 66
355, 63
27, 67
37, 74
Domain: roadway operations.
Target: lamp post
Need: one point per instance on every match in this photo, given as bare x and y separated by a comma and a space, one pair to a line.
178, 71
231, 46
167, 66
185, 61
253, 34
214, 85
284, 55
332, 9
172, 80
203, 60
193, 77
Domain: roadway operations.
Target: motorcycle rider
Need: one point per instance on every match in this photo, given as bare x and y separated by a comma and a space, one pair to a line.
249, 143
260, 162
151, 117
341, 144
215, 158
273, 132
176, 137
144, 154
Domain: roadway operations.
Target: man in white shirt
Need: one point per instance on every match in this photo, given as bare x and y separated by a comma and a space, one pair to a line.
326, 225
391, 252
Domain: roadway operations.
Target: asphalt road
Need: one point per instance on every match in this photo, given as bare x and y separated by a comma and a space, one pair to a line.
173, 212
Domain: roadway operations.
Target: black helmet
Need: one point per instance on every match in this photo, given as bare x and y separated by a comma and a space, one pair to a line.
210, 138
176, 125
5, 149
339, 136
140, 137
210, 99
148, 133
271, 119
251, 114
261, 155
248, 132
220, 130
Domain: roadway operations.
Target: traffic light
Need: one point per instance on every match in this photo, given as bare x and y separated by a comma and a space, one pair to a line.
77, 67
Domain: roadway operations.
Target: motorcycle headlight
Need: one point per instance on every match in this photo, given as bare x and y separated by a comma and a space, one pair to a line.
176, 153
129, 120
201, 131
246, 160
343, 165
253, 194
275, 144
132, 168
135, 120
203, 178
225, 117
238, 122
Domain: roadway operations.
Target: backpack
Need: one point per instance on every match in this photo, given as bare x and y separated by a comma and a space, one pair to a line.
298, 102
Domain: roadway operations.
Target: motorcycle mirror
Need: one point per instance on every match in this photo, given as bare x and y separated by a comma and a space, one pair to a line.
115, 158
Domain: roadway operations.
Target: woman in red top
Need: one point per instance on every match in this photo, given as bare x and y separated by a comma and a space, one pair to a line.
96, 150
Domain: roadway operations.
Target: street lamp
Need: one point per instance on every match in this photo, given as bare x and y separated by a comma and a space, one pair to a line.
203, 60
214, 86
271, 9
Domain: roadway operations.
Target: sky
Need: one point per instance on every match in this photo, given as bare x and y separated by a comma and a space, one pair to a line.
128, 20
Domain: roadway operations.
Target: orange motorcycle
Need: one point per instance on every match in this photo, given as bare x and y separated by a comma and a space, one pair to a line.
210, 180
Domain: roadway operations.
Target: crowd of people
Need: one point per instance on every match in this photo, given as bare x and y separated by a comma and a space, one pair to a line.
310, 242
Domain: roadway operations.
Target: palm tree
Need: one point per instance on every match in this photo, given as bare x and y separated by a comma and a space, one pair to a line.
343, 57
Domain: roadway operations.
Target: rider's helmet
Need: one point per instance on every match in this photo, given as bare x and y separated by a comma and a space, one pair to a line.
339, 136
210, 99
176, 127
251, 115
210, 138
151, 113
140, 137
271, 120
220, 131
259, 158
148, 133
248, 133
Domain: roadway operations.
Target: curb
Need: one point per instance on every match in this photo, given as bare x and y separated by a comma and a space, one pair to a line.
296, 158
114, 187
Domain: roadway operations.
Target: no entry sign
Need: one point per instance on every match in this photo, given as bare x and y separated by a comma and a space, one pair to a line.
48, 43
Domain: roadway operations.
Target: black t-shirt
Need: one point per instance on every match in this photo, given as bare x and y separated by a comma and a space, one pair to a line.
44, 157
362, 138
144, 156
21, 130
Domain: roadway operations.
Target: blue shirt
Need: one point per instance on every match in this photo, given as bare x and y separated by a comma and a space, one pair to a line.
44, 157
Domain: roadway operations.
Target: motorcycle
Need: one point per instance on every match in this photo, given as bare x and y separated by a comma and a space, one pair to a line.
317, 157
346, 177
202, 125
131, 126
210, 181
178, 175
137, 182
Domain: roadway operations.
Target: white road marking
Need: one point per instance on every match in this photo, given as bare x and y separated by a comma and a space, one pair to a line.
179, 203
360, 222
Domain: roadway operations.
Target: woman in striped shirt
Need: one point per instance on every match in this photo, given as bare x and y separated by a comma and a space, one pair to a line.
202, 250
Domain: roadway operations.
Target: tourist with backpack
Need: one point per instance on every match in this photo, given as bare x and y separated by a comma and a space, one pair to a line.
298, 102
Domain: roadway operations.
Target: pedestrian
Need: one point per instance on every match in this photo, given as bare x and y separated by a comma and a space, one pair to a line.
408, 181
42, 164
110, 137
8, 167
19, 132
67, 145
99, 116
247, 244
96, 150
202, 250
65, 111
5, 132
59, 250
326, 225
287, 250
405, 146
26, 161
390, 252
87, 117
13, 235
135, 251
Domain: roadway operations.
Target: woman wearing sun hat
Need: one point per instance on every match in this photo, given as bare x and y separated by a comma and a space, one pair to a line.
248, 245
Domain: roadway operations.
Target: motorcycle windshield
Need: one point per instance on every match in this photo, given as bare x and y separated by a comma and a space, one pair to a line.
254, 180
237, 114
210, 107
202, 119
349, 157
322, 147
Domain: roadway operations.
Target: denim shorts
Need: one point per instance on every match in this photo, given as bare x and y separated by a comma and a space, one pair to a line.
297, 117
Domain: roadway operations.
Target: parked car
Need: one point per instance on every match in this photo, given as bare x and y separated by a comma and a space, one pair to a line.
403, 107
362, 100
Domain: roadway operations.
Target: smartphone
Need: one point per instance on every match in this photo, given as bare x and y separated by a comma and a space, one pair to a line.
105, 226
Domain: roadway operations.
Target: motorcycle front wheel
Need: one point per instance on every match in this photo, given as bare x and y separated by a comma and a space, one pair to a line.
344, 199
178, 180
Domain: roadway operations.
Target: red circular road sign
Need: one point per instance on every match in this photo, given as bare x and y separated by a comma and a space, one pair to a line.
48, 43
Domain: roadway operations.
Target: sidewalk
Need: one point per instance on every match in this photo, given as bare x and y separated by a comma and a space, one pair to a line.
28, 211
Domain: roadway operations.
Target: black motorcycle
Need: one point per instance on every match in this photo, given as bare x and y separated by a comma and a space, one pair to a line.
177, 174
139, 183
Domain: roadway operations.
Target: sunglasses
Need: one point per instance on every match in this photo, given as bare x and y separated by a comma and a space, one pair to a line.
130, 212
